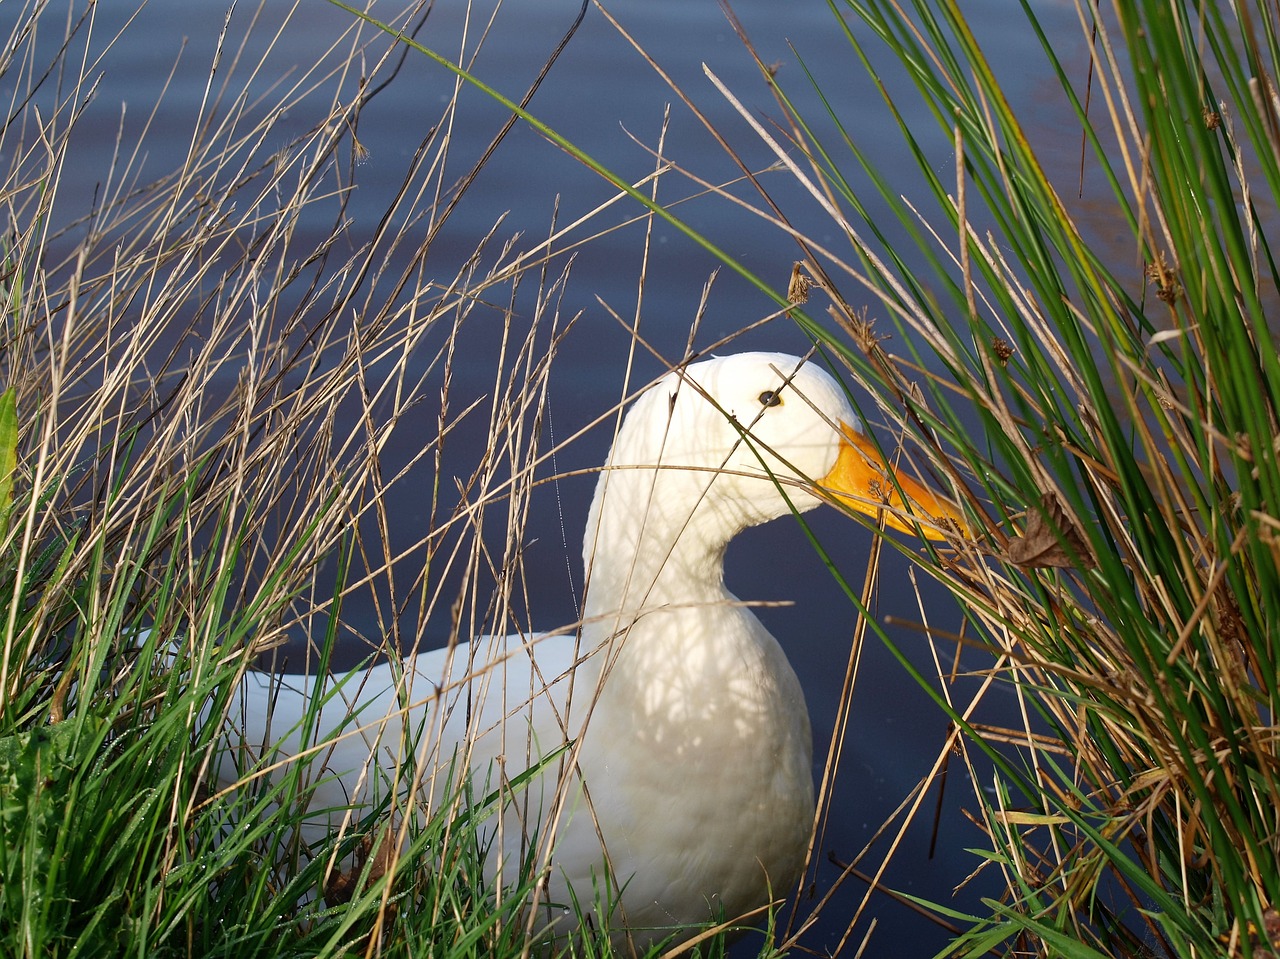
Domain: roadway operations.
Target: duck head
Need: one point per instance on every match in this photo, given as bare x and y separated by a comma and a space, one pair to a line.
739, 440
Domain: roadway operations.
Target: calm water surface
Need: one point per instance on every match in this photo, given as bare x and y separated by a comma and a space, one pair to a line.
601, 95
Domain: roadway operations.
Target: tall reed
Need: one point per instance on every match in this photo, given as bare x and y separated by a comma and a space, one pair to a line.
1111, 423
203, 374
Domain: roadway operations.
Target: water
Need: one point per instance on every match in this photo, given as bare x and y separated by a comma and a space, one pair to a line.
603, 96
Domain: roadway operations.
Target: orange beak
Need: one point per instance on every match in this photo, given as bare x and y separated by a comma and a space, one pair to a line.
862, 480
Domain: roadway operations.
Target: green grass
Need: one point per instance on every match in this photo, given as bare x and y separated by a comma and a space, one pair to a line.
177, 466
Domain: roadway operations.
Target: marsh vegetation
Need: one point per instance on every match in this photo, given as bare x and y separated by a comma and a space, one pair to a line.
205, 371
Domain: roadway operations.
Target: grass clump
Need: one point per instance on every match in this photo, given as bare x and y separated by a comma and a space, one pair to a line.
1111, 420
181, 489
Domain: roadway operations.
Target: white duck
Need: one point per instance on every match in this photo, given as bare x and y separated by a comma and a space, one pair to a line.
687, 724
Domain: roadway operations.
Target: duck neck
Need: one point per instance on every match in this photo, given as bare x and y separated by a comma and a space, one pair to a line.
654, 541
679, 663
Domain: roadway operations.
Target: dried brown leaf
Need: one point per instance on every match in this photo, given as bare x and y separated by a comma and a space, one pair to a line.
341, 885
798, 288
1050, 540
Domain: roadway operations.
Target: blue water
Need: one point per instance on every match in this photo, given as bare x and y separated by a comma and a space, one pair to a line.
602, 96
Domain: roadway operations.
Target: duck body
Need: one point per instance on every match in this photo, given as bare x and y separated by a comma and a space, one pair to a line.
704, 803
678, 731
723, 825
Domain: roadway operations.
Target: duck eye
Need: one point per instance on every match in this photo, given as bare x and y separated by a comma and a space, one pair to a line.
770, 398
